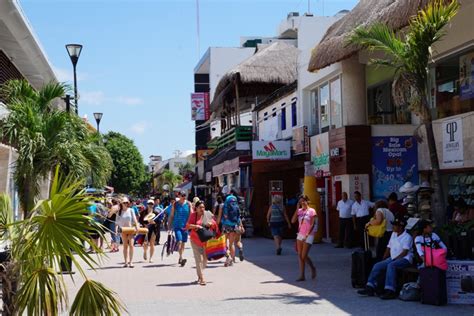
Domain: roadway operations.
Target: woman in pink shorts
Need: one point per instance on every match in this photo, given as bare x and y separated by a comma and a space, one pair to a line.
307, 226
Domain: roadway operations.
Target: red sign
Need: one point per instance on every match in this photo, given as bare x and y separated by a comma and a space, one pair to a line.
200, 106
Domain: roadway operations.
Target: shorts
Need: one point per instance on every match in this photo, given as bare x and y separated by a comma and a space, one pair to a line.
181, 235
277, 228
227, 229
309, 239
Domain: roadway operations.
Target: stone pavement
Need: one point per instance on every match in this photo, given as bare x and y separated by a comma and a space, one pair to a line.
261, 285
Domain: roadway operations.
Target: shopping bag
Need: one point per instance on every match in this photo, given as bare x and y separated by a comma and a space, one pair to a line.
377, 231
216, 248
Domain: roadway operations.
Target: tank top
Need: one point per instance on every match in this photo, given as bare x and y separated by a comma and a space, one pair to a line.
181, 215
276, 214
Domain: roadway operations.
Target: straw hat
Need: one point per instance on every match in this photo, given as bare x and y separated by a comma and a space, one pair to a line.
409, 187
149, 217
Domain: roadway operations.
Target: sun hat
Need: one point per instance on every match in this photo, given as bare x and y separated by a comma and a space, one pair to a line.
408, 187
149, 217
196, 199
150, 202
124, 200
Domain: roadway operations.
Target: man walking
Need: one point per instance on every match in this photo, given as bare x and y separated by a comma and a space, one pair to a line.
180, 211
161, 215
360, 215
344, 207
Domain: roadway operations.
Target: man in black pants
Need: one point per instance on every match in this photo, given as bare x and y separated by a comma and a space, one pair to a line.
346, 232
360, 215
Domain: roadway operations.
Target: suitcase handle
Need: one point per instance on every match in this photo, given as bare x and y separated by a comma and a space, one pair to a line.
366, 240
431, 249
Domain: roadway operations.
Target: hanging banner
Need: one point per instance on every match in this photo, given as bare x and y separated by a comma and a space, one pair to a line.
300, 140
453, 148
394, 162
200, 106
274, 150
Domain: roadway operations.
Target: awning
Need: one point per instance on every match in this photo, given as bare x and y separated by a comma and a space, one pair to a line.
186, 186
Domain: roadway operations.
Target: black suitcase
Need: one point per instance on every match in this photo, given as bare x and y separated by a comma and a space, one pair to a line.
433, 284
362, 262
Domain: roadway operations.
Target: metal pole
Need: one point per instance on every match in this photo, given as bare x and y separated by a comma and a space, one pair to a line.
98, 130
75, 90
68, 103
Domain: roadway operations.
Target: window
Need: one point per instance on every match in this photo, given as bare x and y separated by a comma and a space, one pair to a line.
452, 85
381, 108
283, 119
336, 98
323, 108
293, 114
314, 112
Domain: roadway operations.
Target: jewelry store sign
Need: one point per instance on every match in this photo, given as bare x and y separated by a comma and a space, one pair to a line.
453, 149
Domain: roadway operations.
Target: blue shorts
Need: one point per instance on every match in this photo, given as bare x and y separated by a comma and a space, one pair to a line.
181, 235
277, 228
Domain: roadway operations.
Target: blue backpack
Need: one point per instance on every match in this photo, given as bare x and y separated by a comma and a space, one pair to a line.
232, 210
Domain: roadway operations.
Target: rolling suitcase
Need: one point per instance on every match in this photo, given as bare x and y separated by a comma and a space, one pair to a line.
362, 262
433, 284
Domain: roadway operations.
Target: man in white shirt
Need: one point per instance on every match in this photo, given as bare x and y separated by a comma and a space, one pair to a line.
398, 255
344, 207
360, 215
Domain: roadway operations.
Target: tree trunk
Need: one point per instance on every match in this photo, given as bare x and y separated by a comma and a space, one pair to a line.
438, 207
28, 201
9, 288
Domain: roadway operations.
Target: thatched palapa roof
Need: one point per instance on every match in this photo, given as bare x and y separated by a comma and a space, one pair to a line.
333, 46
274, 64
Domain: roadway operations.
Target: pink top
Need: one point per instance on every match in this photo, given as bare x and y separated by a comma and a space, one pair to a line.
304, 218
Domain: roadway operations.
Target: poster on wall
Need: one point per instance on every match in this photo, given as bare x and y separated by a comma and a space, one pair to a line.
320, 154
453, 148
466, 76
394, 162
200, 106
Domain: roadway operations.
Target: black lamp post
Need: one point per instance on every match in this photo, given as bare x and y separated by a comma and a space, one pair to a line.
98, 117
74, 51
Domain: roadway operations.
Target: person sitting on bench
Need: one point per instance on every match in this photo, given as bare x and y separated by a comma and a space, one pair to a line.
398, 255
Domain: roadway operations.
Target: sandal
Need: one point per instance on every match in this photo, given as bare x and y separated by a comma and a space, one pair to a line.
130, 265
183, 262
300, 279
202, 283
125, 265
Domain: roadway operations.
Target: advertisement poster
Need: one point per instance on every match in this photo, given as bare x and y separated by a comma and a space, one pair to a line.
394, 162
460, 282
300, 140
320, 154
466, 76
453, 147
273, 150
199, 106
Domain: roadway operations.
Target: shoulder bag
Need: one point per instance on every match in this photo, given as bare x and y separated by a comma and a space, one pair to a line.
378, 231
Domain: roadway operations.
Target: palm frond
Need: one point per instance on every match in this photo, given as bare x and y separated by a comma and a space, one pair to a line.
6, 217
94, 298
49, 92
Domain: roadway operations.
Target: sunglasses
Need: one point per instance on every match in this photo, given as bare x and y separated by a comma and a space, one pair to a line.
150, 203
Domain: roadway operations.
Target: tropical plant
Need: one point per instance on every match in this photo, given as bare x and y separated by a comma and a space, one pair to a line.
170, 178
409, 53
129, 173
55, 231
187, 171
45, 136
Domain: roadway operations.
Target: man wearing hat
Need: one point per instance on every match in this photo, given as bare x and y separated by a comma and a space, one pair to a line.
398, 255
179, 216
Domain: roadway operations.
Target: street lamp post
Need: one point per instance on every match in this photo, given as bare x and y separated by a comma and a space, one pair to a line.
98, 117
74, 51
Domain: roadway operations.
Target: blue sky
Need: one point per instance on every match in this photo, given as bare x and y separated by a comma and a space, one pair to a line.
138, 58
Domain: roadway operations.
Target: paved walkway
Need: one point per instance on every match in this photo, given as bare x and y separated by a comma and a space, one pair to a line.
261, 285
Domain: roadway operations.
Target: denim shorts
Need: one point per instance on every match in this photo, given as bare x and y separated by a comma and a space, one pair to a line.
181, 235
277, 228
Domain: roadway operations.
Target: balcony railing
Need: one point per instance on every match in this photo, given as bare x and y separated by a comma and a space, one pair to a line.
235, 134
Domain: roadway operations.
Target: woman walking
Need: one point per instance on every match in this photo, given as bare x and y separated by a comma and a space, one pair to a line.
126, 221
147, 219
231, 224
196, 221
276, 218
307, 226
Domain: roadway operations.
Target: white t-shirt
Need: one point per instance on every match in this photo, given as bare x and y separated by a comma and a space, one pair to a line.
127, 219
344, 208
420, 242
388, 216
399, 243
361, 209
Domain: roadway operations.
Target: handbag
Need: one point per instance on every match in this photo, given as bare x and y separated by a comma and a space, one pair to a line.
410, 292
205, 234
377, 231
216, 248
437, 257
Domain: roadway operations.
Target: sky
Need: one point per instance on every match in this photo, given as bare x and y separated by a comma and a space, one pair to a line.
137, 63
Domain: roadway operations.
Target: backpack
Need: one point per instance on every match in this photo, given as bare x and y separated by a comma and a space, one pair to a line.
232, 210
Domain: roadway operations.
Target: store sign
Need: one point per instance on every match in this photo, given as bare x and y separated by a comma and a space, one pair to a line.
273, 150
200, 106
359, 182
320, 154
335, 152
300, 140
453, 148
394, 162
202, 154
208, 176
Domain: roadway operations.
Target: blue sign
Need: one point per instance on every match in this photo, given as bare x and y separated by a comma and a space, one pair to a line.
394, 162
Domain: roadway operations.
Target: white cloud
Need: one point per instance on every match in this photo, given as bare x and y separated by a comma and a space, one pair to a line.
92, 97
129, 100
139, 127
66, 74
188, 152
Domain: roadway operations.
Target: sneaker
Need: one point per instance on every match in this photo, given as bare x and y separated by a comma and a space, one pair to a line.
368, 291
389, 295
241, 255
279, 252
183, 262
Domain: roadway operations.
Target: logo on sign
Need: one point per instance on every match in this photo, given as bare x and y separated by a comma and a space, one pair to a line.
451, 129
271, 151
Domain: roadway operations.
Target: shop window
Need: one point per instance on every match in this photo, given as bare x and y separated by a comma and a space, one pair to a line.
314, 112
283, 119
336, 98
293, 114
452, 85
381, 108
323, 108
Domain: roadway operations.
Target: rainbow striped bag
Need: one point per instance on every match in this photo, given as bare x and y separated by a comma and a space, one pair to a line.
216, 248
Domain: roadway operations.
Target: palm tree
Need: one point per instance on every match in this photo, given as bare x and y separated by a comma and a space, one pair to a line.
170, 178
45, 136
410, 55
55, 230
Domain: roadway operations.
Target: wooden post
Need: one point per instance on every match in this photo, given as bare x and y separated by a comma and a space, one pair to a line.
237, 103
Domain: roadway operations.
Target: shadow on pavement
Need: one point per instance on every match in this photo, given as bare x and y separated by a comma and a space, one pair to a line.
287, 298
180, 284
158, 265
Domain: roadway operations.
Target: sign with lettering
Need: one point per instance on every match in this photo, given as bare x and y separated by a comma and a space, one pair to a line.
273, 150
200, 106
320, 154
394, 162
453, 149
